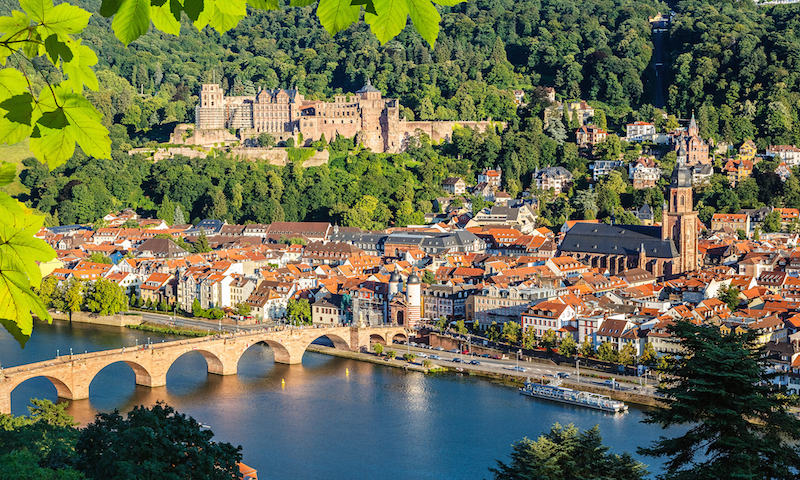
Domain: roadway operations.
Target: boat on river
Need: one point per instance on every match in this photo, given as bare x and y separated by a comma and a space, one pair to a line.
555, 392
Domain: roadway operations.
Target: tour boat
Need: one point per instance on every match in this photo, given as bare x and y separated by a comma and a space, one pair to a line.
574, 397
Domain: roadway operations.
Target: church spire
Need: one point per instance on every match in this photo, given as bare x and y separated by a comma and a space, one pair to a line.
692, 126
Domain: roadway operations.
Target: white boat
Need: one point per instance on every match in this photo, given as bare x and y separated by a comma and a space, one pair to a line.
573, 397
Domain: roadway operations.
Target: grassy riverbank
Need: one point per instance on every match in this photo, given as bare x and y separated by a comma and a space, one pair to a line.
186, 332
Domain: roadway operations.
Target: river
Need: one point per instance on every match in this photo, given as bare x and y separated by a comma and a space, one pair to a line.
374, 422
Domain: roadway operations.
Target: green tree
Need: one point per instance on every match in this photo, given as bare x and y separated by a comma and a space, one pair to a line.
98, 257
587, 348
738, 423
549, 339
243, 309
649, 355
530, 341
201, 245
378, 349
73, 296
266, 140
461, 328
568, 346
155, 442
564, 453
197, 309
772, 222
607, 353
49, 292
627, 356
391, 354
729, 295
298, 311
106, 297
511, 332
409, 357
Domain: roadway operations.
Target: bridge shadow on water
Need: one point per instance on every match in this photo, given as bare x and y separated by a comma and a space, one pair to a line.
189, 384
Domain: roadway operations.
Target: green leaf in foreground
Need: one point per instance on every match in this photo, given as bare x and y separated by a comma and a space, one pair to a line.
20, 253
132, 20
426, 19
336, 15
390, 20
8, 171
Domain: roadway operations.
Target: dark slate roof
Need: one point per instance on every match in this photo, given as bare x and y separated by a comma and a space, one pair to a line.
604, 239
368, 88
67, 229
161, 247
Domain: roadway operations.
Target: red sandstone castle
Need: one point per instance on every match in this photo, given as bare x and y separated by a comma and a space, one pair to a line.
287, 114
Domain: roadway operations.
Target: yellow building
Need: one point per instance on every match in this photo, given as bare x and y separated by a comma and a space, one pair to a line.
747, 151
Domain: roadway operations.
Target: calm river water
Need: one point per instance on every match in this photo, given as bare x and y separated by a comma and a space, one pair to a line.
376, 422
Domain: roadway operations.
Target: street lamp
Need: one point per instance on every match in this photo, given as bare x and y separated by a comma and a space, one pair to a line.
57, 355
577, 368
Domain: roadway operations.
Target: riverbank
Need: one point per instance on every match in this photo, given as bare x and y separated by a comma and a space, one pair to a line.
514, 380
119, 320
371, 358
186, 332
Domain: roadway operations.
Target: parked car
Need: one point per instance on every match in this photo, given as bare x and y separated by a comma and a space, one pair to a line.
435, 357
474, 362
610, 383
562, 375
486, 355
455, 350
466, 352
421, 355
456, 360
441, 349
519, 369
495, 357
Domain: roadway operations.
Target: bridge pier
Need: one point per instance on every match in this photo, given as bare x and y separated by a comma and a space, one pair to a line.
152, 381
5, 403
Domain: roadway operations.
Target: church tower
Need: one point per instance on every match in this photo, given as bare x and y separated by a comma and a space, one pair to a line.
679, 223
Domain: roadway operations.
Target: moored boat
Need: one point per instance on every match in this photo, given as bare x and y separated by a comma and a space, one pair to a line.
573, 397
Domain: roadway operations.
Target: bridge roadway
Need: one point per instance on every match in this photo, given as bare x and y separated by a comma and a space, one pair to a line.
72, 374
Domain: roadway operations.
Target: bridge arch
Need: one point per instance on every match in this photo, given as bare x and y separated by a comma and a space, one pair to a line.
377, 338
214, 363
142, 373
62, 389
399, 336
279, 351
338, 342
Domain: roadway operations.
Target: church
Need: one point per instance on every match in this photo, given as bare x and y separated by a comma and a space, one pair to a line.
666, 251
695, 148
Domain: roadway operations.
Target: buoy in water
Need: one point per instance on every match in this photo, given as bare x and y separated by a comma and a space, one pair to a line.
347, 371
283, 383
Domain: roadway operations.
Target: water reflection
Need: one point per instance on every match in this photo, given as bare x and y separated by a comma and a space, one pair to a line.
324, 423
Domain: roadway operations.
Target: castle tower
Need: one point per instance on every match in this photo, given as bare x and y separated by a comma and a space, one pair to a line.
679, 223
210, 111
414, 300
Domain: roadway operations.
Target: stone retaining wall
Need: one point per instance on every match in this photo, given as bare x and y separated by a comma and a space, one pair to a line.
95, 319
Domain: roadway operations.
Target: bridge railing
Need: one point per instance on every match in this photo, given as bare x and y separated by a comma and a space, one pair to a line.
61, 359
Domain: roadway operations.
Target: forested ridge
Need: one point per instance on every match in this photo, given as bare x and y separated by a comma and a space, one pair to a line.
738, 66
734, 65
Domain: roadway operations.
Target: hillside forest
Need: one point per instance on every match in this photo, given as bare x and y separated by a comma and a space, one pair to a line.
736, 66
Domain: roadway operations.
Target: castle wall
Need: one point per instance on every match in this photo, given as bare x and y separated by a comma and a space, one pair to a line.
439, 130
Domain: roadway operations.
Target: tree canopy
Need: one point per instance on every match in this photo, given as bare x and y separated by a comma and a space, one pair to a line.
737, 420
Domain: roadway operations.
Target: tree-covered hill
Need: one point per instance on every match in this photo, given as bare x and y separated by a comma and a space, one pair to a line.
595, 49
738, 66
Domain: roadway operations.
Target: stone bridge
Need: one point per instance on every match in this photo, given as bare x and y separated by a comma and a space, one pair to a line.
72, 374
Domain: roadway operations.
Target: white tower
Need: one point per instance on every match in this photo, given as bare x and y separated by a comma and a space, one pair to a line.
414, 300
